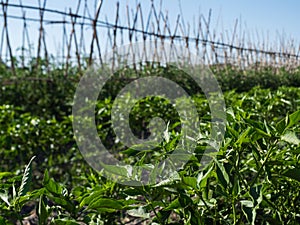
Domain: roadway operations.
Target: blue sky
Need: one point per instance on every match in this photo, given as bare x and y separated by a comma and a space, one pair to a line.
263, 16
275, 19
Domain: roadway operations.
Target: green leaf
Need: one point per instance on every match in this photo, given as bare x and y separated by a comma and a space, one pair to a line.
232, 131
162, 217
180, 202
2, 221
175, 204
263, 133
139, 212
243, 138
248, 210
46, 177
57, 193
291, 138
117, 170
134, 191
130, 152
247, 203
222, 174
5, 174
4, 196
91, 197
293, 174
202, 179
280, 126
236, 187
64, 221
26, 179
62, 201
54, 187
256, 194
294, 118
288, 122
14, 192
30, 196
190, 181
173, 177
185, 200
42, 211
105, 205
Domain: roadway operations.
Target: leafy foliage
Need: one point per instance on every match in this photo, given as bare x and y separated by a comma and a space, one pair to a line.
254, 179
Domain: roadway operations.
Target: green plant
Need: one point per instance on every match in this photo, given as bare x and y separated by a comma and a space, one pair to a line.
254, 178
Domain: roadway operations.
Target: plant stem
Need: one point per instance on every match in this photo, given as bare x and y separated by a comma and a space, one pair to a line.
262, 165
234, 211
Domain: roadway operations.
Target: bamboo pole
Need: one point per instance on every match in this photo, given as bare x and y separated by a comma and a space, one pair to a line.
5, 26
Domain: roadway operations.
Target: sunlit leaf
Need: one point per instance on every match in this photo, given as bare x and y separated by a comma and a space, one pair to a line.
26, 179
290, 137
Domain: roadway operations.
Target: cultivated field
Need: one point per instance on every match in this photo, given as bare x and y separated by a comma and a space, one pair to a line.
45, 179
